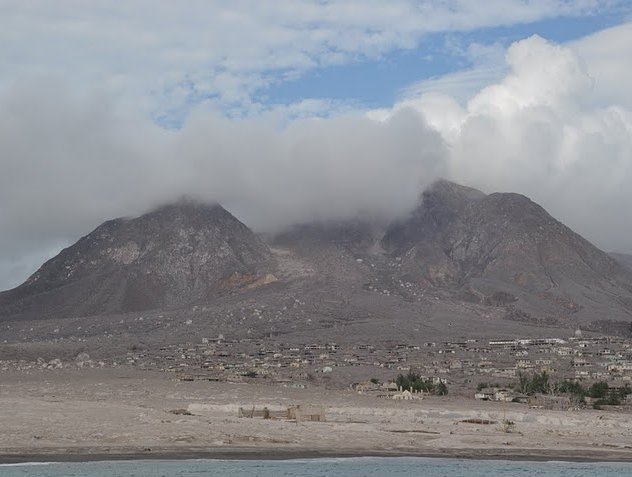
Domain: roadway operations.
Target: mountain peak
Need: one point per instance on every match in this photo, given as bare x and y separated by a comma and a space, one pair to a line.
451, 190
504, 243
441, 203
185, 205
176, 254
501, 254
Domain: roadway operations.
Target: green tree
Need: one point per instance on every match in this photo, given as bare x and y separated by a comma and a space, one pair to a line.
415, 382
524, 383
536, 383
540, 383
570, 387
599, 390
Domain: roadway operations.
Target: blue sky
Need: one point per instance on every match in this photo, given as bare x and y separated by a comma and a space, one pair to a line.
379, 82
248, 56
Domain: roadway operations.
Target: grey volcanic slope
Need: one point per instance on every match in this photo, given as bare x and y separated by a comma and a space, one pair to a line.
178, 254
504, 249
462, 264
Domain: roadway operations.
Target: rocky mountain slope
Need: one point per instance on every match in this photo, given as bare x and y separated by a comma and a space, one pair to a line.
463, 263
504, 249
179, 254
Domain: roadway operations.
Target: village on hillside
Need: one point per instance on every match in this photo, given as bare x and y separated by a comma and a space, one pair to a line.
492, 370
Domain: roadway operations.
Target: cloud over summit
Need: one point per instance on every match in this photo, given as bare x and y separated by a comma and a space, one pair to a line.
550, 128
78, 160
541, 132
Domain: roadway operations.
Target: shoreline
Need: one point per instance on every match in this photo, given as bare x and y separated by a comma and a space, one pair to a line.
78, 455
101, 416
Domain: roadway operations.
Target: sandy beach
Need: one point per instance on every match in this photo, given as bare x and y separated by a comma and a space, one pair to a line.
80, 414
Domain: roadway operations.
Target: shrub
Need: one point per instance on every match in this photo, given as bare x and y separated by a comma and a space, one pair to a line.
415, 382
598, 390
508, 426
532, 384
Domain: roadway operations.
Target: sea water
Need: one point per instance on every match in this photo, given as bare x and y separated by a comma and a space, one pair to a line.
344, 467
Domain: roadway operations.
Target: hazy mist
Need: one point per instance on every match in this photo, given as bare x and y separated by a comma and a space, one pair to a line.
70, 160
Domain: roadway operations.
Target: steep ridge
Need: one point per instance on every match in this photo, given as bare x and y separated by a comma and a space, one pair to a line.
503, 247
178, 254
463, 260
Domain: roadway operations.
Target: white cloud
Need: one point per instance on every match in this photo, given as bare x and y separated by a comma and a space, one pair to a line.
164, 55
78, 147
460, 85
71, 161
606, 56
555, 128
